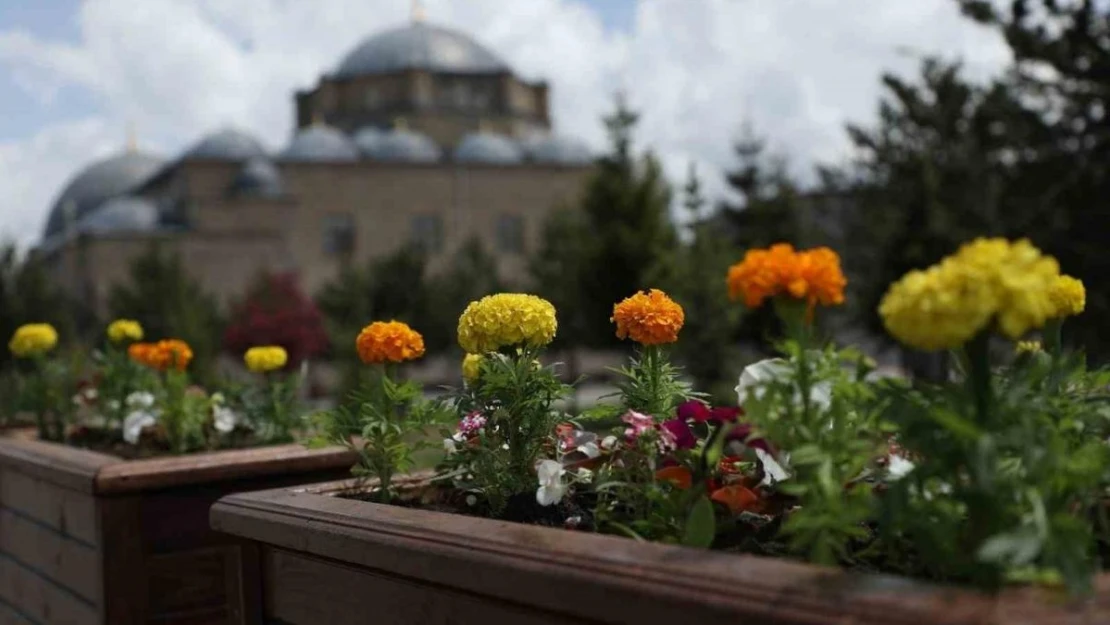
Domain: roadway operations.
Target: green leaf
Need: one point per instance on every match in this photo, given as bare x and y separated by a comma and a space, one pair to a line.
701, 525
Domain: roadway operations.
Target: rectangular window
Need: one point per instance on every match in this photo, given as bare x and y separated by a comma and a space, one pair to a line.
339, 234
510, 234
427, 232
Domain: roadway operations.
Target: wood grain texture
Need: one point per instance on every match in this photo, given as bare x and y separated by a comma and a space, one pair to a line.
69, 563
41, 599
71, 513
310, 591
606, 579
123, 564
72, 468
206, 468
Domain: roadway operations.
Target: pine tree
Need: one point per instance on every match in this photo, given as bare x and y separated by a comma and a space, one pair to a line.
171, 304
1062, 77
621, 231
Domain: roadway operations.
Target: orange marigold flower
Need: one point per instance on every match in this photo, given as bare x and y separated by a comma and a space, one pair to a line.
649, 318
175, 353
391, 341
810, 275
142, 353
738, 498
679, 476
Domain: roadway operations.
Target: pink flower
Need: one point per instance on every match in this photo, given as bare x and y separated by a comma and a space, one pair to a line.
471, 423
677, 434
640, 423
693, 410
725, 414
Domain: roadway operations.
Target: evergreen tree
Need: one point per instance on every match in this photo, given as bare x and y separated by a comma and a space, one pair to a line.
1062, 76
622, 231
170, 304
695, 277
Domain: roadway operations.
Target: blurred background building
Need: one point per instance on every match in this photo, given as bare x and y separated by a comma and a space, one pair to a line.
419, 135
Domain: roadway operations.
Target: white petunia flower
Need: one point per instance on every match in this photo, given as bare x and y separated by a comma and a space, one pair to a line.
134, 423
225, 418
551, 488
450, 446
757, 376
772, 470
140, 400
898, 467
585, 475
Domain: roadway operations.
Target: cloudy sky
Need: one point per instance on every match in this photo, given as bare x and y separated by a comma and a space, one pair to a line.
75, 73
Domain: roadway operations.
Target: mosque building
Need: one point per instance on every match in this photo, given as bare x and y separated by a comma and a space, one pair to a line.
420, 135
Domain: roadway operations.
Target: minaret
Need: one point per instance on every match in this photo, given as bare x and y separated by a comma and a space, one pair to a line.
417, 12
132, 143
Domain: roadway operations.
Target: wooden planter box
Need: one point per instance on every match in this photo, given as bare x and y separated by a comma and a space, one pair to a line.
337, 561
87, 538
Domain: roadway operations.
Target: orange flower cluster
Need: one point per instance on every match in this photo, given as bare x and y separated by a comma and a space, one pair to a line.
810, 275
649, 318
163, 355
391, 341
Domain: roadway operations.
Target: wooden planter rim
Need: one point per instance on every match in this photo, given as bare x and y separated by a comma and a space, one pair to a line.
98, 473
608, 579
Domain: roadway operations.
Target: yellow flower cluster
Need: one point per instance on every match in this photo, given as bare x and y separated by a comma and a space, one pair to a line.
125, 331
1068, 296
471, 367
1028, 347
506, 320
987, 283
33, 339
265, 358
649, 318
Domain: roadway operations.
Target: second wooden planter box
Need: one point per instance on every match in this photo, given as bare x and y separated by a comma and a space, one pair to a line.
87, 538
325, 559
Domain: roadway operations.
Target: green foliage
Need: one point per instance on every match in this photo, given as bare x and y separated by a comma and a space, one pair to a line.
45, 386
376, 422
610, 247
1006, 465
651, 385
516, 396
170, 304
119, 377
694, 276
815, 405
269, 405
184, 414
27, 296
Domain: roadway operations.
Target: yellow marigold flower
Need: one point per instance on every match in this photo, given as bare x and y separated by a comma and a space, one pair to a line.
1028, 347
506, 320
389, 341
125, 331
33, 339
1069, 296
987, 281
265, 358
471, 367
649, 318
811, 275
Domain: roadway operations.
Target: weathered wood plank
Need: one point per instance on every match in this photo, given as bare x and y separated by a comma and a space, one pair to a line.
123, 564
71, 468
69, 512
238, 464
607, 579
188, 581
41, 599
74, 565
301, 590
10, 615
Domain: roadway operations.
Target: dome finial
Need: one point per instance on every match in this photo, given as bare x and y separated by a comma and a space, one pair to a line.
417, 12
132, 143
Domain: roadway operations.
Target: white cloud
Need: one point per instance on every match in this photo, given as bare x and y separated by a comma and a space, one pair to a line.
695, 70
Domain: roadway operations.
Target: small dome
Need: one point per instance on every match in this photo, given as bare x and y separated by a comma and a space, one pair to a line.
369, 139
560, 150
258, 177
227, 144
320, 143
126, 213
419, 46
406, 146
487, 147
97, 183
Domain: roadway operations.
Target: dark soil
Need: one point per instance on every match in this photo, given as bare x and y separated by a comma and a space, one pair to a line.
151, 445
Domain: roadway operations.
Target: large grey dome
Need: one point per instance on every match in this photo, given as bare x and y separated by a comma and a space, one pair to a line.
560, 150
406, 146
97, 183
420, 46
258, 177
320, 143
369, 139
121, 214
487, 147
227, 144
